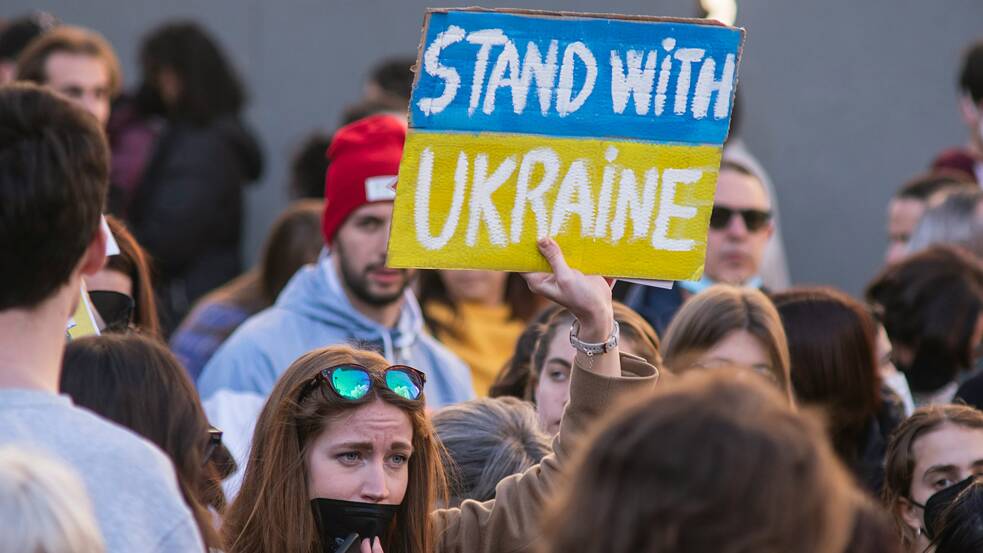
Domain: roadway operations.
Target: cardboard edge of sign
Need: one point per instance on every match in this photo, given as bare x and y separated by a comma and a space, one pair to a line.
554, 14
568, 15
415, 68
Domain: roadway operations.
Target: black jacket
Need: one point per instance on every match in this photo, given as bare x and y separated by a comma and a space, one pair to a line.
188, 209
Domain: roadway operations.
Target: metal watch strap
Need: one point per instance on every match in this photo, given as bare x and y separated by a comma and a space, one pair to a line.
591, 349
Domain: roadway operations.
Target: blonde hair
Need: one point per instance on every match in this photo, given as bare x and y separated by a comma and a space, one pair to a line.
710, 316
44, 506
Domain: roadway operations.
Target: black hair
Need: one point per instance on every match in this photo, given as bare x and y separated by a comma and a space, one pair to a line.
971, 74
962, 523
924, 186
394, 76
54, 175
930, 302
309, 166
210, 87
20, 32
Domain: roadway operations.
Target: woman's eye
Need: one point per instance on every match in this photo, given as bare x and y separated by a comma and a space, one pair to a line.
348, 457
941, 483
558, 376
398, 459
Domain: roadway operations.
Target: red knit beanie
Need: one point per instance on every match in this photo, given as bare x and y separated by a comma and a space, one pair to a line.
363, 164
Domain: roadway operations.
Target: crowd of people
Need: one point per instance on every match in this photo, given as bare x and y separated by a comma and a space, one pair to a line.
321, 401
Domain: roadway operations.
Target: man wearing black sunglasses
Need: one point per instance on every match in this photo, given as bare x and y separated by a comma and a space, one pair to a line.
740, 228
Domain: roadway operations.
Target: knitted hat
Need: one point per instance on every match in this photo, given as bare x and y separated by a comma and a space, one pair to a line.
363, 164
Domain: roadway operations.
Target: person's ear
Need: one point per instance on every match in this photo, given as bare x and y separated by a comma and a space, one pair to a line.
910, 514
770, 230
94, 257
969, 109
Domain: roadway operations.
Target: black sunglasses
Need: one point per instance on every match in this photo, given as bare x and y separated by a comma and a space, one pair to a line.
754, 219
353, 382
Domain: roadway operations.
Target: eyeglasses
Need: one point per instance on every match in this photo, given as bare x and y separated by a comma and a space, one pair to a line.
214, 440
754, 219
353, 382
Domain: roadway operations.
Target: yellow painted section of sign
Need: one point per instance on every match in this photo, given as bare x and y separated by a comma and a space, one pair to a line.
617, 208
83, 322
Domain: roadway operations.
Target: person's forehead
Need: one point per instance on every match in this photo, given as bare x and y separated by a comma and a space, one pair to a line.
560, 346
376, 420
78, 67
738, 346
907, 206
383, 210
950, 444
735, 189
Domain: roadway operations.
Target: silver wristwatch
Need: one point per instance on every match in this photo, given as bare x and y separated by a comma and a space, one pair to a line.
589, 349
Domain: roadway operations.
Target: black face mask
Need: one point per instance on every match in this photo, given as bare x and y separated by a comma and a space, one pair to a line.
116, 309
939, 502
342, 525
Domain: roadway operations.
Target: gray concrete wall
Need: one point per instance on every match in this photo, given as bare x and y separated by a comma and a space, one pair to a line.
843, 99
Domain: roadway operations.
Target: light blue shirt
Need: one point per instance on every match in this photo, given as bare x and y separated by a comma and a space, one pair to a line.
131, 483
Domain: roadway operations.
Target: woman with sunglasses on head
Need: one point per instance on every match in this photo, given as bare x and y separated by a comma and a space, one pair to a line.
344, 457
136, 382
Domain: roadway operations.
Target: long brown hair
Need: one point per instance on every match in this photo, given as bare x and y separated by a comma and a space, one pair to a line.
670, 472
899, 462
136, 382
832, 341
711, 315
272, 512
133, 262
929, 303
513, 377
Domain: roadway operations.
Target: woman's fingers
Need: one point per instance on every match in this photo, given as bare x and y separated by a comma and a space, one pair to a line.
554, 256
366, 546
377, 546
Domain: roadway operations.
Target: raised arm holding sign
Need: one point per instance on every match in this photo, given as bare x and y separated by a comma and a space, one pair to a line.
602, 132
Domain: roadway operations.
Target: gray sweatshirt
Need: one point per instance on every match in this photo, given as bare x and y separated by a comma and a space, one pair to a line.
132, 484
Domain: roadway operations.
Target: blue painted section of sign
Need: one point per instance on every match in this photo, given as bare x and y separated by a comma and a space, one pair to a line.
435, 108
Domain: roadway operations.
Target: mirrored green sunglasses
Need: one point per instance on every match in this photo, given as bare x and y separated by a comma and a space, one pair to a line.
353, 382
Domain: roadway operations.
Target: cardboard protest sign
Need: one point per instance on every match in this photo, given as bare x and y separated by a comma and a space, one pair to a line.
604, 132
83, 322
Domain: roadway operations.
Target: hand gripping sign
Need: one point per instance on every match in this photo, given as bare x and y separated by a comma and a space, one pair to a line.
604, 132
